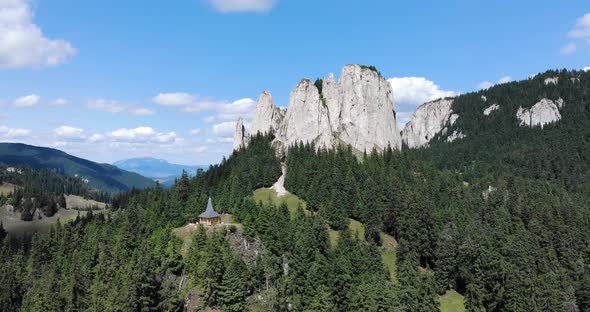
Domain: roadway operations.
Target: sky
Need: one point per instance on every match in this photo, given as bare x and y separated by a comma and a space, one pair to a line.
109, 80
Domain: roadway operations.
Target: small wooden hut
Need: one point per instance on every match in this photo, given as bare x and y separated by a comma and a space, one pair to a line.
210, 217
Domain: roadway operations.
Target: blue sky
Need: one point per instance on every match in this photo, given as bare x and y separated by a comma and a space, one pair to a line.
108, 80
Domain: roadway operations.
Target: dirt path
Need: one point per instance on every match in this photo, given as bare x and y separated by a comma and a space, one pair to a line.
279, 186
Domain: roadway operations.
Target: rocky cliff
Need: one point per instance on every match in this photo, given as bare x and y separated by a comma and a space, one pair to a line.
428, 120
542, 113
268, 116
358, 111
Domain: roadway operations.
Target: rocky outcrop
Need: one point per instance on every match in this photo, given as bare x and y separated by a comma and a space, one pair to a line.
241, 137
268, 116
307, 118
490, 109
428, 120
358, 110
367, 111
542, 113
456, 135
551, 80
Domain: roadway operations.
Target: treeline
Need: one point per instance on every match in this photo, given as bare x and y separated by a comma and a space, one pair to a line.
42, 190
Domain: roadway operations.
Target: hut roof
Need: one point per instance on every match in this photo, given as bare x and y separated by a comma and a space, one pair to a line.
209, 212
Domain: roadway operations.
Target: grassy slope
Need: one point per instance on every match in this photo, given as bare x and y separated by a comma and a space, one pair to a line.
388, 250
451, 301
7, 188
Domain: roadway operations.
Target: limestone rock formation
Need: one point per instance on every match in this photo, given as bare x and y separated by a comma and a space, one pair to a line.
490, 109
542, 113
456, 135
268, 116
307, 118
367, 111
551, 80
241, 137
358, 110
428, 120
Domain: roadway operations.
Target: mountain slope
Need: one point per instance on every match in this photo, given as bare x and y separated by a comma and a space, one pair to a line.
104, 177
156, 169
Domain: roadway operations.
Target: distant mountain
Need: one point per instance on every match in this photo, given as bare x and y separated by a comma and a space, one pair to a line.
103, 177
157, 169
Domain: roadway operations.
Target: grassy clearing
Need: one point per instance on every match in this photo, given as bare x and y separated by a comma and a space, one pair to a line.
268, 196
15, 226
185, 233
7, 188
388, 250
451, 301
78, 202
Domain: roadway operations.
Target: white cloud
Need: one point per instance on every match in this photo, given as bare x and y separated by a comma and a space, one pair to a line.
191, 103
411, 92
569, 48
141, 111
232, 111
224, 129
27, 101
69, 132
144, 134
22, 43
58, 102
586, 68
485, 85
195, 131
14, 132
116, 107
228, 6
201, 149
579, 34
416, 90
96, 138
174, 99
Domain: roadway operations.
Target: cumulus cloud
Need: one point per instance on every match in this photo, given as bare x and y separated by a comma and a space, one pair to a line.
116, 107
23, 44
58, 102
411, 92
27, 101
224, 129
11, 133
69, 132
232, 111
486, 84
195, 131
144, 134
568, 48
187, 102
579, 34
586, 68
228, 6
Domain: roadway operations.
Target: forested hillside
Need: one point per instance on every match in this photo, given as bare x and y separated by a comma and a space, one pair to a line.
102, 177
500, 216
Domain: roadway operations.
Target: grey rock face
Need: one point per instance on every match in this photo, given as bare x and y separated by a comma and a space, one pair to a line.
428, 120
268, 116
456, 135
542, 113
358, 110
307, 118
367, 111
551, 80
490, 109
241, 137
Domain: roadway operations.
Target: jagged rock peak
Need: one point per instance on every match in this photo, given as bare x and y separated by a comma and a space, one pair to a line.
307, 118
428, 120
268, 116
542, 113
358, 110
367, 110
241, 137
